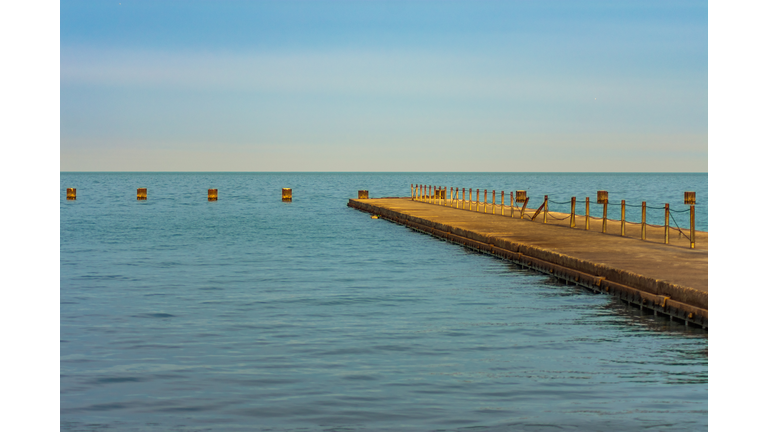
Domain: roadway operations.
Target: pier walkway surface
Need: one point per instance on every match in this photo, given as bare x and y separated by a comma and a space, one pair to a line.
670, 279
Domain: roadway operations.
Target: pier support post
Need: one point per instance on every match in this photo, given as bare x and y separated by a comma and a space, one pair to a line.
642, 224
573, 212
586, 219
485, 200
477, 201
430, 194
71, 193
462, 197
287, 195
451, 198
213, 194
623, 217
546, 207
693, 226
605, 216
502, 203
411, 191
493, 204
666, 223
141, 194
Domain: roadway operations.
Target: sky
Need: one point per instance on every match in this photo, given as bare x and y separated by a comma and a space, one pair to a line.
384, 86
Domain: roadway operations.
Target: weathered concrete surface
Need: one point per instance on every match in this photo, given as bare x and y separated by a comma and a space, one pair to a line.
670, 272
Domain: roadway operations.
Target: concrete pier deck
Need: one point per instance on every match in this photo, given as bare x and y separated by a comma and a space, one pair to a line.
670, 279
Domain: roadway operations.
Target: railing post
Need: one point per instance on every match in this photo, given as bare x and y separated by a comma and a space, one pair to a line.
605, 216
450, 201
485, 200
573, 212
411, 191
462, 197
456, 200
502, 203
493, 200
642, 226
522, 210
693, 226
623, 214
477, 201
586, 220
470, 199
666, 223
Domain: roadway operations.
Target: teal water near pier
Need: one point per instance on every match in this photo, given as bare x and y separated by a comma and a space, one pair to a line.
252, 314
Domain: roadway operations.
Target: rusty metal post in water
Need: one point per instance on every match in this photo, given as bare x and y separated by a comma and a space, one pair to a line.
586, 220
287, 195
623, 218
141, 194
642, 225
666, 223
213, 194
71, 193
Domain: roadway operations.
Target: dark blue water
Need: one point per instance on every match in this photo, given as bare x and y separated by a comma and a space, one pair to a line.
252, 314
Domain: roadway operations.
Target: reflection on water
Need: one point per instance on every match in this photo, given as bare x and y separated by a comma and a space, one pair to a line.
248, 313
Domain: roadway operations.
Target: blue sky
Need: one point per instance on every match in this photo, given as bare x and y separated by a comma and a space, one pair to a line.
384, 86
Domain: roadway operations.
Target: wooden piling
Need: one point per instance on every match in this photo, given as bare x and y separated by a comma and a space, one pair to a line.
213, 194
623, 217
362, 194
71, 193
602, 197
573, 212
642, 224
586, 219
141, 194
666, 223
287, 195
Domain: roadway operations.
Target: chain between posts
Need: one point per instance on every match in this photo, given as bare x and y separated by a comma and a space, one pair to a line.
449, 197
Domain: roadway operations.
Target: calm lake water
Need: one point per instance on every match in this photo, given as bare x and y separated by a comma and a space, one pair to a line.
253, 314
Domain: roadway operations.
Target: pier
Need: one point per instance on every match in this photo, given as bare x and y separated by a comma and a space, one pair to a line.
647, 266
